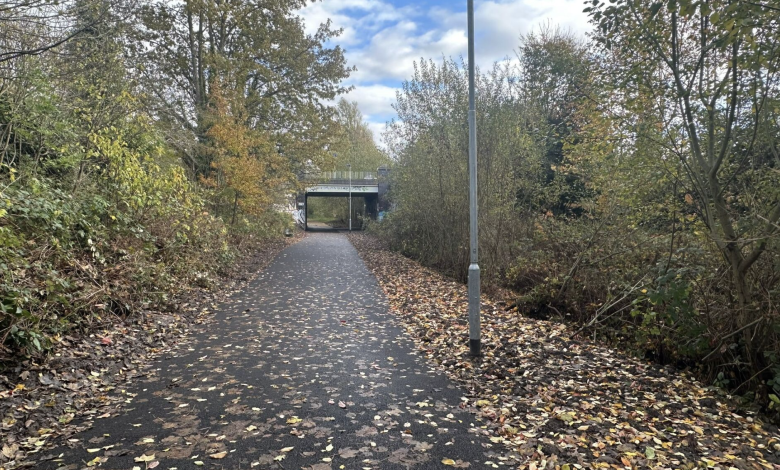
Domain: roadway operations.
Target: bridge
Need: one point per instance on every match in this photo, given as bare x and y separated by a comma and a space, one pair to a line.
370, 186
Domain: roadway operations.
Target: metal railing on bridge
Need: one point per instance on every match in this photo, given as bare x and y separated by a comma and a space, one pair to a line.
341, 177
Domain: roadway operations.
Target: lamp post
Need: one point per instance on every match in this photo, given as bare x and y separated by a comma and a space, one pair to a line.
349, 166
475, 342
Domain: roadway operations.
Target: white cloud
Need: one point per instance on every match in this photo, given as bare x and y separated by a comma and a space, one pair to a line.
377, 128
374, 15
384, 40
391, 53
499, 24
373, 100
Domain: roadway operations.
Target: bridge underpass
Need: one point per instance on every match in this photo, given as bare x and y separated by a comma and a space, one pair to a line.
366, 189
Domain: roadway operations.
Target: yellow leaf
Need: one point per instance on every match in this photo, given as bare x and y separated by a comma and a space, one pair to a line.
145, 458
448, 462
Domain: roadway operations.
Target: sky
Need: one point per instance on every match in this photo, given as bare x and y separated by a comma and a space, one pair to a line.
383, 38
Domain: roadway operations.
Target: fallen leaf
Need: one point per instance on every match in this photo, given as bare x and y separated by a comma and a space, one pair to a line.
145, 458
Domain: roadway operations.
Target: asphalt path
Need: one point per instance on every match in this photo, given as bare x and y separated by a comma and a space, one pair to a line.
305, 368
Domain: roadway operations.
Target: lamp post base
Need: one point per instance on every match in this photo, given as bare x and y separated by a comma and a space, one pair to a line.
475, 344
475, 347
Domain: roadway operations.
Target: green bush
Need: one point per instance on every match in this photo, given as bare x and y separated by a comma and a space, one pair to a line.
130, 235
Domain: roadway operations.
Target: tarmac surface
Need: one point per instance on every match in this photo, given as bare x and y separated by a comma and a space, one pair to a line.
305, 368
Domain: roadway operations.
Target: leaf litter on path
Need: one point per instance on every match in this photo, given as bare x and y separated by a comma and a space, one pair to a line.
564, 403
83, 378
286, 384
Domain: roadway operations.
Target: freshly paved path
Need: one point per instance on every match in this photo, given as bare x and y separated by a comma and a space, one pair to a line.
305, 368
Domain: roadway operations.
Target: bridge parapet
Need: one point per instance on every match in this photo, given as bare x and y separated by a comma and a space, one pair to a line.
341, 177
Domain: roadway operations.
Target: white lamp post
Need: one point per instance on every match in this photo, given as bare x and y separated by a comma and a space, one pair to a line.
475, 341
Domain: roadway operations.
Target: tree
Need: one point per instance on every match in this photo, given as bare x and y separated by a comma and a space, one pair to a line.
429, 143
34, 27
248, 171
553, 80
705, 75
357, 146
256, 50
96, 85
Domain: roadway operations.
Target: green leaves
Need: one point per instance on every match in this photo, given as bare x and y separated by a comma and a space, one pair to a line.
655, 8
715, 17
259, 48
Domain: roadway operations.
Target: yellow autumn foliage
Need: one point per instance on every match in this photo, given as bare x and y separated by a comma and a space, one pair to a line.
248, 172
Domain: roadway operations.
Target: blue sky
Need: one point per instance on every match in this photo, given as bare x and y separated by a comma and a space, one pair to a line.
383, 38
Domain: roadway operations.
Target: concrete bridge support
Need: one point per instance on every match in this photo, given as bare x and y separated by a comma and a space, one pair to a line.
372, 206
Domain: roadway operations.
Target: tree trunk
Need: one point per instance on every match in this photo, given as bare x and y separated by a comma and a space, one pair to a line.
235, 209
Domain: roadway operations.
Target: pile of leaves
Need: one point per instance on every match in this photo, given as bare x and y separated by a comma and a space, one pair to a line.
562, 402
83, 378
